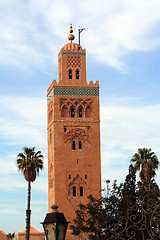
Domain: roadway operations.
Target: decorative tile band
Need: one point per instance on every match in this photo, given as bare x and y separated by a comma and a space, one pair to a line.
73, 91
72, 53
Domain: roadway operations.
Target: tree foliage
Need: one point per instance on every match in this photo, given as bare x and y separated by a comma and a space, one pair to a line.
29, 162
100, 218
146, 162
97, 218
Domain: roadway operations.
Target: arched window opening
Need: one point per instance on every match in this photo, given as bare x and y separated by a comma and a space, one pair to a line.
64, 112
88, 112
69, 177
72, 112
70, 74
73, 145
81, 191
80, 112
77, 74
80, 144
74, 191
85, 176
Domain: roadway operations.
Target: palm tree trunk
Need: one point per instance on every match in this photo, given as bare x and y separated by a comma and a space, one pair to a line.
28, 212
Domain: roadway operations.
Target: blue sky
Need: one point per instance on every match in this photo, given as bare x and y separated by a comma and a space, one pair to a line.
122, 40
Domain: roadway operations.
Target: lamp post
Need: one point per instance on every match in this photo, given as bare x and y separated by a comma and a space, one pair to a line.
55, 225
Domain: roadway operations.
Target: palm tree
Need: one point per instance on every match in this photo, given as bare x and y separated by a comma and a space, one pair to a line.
10, 236
146, 162
29, 162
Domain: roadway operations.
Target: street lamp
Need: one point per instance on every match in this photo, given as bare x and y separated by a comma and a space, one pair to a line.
55, 225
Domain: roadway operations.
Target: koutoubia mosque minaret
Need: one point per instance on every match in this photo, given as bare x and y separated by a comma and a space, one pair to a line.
74, 163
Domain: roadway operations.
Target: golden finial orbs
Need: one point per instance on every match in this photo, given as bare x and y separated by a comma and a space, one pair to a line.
71, 36
71, 30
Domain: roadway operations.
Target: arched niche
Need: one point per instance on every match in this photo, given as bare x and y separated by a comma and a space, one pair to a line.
64, 111
88, 112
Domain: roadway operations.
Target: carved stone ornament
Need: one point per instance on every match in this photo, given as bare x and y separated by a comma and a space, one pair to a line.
73, 61
77, 133
78, 182
75, 102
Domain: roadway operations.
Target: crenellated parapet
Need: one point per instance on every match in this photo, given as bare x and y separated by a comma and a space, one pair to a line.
56, 89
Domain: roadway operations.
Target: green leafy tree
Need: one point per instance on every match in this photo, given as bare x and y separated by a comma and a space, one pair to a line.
111, 205
10, 236
125, 213
128, 201
129, 194
146, 162
90, 220
95, 220
29, 162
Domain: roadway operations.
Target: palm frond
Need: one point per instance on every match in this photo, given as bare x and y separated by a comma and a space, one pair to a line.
29, 160
146, 162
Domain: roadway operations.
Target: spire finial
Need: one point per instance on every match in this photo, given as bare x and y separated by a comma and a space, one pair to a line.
71, 36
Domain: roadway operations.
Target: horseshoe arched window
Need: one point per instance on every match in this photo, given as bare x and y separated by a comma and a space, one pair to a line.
77, 74
74, 191
80, 144
72, 112
70, 74
80, 112
73, 145
81, 191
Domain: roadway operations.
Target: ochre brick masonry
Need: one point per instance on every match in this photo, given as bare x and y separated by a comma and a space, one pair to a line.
74, 165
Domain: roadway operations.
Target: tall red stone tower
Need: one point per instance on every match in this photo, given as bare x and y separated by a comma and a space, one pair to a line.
74, 166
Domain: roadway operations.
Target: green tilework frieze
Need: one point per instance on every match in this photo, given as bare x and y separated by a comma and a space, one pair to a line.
73, 91
71, 53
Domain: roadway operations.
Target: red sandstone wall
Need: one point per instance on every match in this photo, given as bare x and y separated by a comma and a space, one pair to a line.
68, 168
